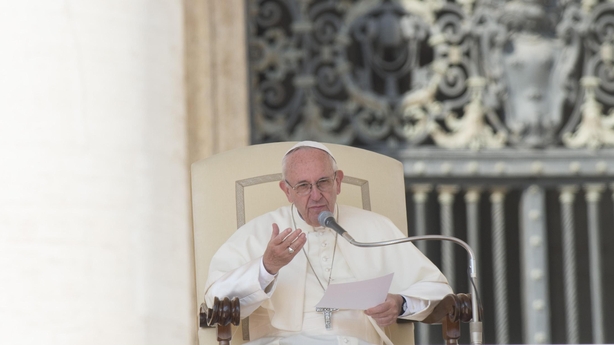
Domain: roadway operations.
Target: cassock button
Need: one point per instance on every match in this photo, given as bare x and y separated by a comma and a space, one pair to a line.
325, 259
324, 244
327, 270
345, 340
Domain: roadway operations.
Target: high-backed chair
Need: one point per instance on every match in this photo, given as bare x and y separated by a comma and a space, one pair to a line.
231, 188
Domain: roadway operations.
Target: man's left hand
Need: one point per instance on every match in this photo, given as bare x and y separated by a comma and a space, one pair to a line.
386, 313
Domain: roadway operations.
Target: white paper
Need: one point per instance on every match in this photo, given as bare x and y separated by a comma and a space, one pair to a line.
360, 295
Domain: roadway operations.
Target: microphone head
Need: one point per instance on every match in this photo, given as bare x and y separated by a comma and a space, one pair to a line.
323, 216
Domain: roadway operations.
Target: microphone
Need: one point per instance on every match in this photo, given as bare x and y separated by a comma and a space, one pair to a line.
326, 219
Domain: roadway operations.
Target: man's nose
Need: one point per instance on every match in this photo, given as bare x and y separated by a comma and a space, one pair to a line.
315, 192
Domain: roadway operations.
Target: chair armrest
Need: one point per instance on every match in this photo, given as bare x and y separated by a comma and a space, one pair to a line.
450, 312
221, 315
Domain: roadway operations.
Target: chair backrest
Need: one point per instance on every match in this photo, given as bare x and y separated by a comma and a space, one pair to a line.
231, 188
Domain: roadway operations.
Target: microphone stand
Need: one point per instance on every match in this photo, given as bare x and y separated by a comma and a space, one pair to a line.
475, 326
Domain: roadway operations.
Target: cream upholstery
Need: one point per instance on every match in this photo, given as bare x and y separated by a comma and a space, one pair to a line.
231, 188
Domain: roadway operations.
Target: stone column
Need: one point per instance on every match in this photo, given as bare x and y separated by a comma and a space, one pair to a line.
95, 234
216, 76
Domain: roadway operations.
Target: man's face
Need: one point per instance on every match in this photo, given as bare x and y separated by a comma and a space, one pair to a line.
308, 166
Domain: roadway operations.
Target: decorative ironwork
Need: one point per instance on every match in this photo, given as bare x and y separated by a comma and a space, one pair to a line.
465, 74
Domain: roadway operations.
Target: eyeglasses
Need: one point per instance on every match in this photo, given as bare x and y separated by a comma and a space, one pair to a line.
324, 184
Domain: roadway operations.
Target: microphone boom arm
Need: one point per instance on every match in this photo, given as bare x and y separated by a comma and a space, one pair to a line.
326, 219
475, 324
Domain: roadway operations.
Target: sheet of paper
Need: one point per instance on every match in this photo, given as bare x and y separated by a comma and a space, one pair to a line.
360, 295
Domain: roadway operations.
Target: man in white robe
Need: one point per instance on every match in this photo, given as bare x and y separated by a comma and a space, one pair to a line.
280, 276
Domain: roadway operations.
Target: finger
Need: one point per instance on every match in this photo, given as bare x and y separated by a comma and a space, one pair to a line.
297, 244
384, 317
293, 236
275, 231
385, 321
377, 310
384, 314
281, 238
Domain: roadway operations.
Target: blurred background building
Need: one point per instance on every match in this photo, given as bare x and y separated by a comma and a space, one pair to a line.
501, 112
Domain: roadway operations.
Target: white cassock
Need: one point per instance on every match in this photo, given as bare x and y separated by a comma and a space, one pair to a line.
284, 312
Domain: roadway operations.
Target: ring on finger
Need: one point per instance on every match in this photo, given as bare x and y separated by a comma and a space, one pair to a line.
290, 250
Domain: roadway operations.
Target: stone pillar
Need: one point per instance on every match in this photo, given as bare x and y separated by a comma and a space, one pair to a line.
95, 233
216, 76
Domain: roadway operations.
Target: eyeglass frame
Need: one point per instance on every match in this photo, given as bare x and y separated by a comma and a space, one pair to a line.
334, 178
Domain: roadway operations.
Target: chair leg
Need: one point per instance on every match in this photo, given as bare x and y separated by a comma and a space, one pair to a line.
451, 331
224, 334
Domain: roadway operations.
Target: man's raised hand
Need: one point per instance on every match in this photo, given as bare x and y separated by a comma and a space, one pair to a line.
282, 248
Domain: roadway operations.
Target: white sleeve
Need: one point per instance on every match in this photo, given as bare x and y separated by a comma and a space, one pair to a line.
419, 305
413, 305
243, 282
265, 278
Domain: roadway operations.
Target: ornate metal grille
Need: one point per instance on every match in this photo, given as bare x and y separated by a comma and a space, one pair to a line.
464, 74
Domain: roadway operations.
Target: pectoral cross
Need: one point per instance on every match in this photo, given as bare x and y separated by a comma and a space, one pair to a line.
328, 313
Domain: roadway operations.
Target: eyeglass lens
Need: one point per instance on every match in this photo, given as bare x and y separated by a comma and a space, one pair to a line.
323, 185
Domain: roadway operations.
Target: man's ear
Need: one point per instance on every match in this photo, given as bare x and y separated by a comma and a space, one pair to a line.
284, 186
339, 178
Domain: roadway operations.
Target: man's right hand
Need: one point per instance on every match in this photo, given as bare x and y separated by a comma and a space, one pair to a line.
277, 253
